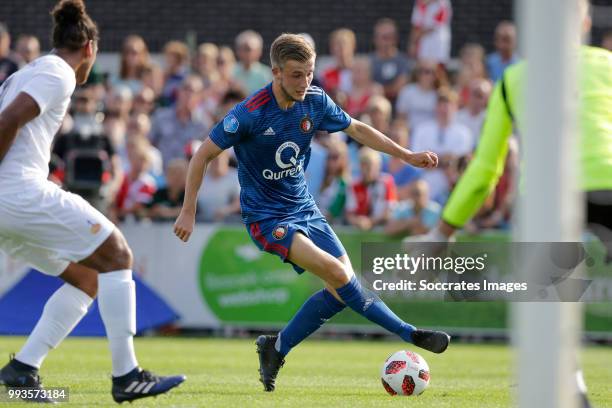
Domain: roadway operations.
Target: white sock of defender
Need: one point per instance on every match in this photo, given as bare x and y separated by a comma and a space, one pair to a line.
64, 309
117, 302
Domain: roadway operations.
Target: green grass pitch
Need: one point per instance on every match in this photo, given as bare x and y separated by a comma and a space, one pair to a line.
223, 373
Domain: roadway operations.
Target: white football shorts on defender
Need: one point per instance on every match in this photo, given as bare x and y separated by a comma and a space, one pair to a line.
47, 227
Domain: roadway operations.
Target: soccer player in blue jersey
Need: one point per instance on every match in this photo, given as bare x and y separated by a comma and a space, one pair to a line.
271, 133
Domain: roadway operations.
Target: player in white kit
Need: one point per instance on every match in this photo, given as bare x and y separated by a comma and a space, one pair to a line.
57, 232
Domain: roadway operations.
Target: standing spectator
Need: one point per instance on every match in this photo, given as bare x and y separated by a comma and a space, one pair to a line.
415, 215
606, 41
337, 78
362, 88
176, 55
175, 127
7, 65
332, 196
403, 174
370, 198
430, 37
445, 137
135, 63
417, 101
249, 72
138, 185
389, 66
472, 60
472, 116
27, 48
220, 195
505, 50
167, 201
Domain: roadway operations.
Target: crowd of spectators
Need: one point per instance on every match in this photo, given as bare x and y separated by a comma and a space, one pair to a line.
126, 142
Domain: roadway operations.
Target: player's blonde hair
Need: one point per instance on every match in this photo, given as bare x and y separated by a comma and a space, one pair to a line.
290, 47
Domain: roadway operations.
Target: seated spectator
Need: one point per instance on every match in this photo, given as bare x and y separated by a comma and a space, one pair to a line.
430, 36
316, 163
389, 66
138, 185
176, 55
404, 175
144, 101
135, 60
370, 198
231, 98
472, 68
378, 115
332, 196
219, 197
205, 63
167, 201
355, 101
337, 78
175, 127
138, 127
472, 116
27, 48
115, 128
249, 72
416, 215
445, 137
226, 64
416, 102
7, 64
505, 50
119, 100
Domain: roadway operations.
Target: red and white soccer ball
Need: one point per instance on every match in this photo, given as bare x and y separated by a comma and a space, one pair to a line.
405, 373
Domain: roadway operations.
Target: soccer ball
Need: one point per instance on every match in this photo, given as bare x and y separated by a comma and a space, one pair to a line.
405, 373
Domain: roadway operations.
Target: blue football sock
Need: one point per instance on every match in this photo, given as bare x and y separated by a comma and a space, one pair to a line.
319, 308
374, 309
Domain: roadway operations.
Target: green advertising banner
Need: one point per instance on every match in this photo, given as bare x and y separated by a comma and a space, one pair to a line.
244, 286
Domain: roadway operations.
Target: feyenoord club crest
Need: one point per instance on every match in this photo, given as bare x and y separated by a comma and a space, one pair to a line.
279, 232
306, 124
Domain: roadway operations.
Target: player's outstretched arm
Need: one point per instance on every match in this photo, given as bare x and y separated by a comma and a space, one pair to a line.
368, 136
19, 112
208, 150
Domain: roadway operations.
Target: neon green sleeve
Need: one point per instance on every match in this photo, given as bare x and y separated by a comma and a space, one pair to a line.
486, 167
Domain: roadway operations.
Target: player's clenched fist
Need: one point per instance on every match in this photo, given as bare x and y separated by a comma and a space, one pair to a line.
183, 227
426, 160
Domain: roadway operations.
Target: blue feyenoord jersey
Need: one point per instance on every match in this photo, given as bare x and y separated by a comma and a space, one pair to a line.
273, 147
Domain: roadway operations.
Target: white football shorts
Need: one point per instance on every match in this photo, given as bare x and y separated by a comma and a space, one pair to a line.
47, 227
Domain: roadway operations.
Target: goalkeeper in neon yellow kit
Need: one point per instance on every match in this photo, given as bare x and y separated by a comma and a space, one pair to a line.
595, 142
595, 125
